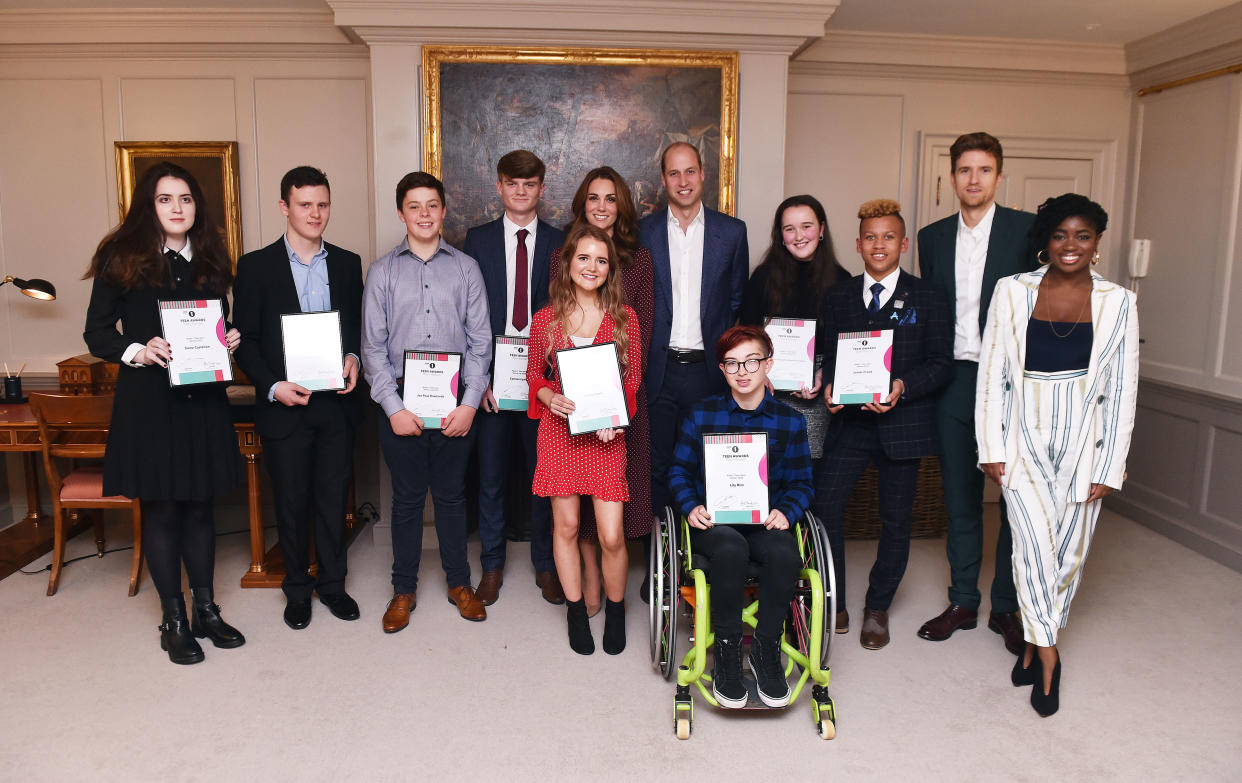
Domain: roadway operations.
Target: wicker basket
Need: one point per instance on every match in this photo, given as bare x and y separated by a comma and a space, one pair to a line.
928, 519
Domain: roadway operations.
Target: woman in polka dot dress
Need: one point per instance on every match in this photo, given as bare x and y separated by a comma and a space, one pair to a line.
586, 307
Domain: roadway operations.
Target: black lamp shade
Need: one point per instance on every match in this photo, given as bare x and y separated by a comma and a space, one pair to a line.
35, 288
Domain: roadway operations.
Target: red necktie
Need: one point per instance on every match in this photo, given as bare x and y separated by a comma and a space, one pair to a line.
520, 314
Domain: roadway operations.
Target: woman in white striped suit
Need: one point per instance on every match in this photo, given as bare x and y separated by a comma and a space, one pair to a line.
1058, 376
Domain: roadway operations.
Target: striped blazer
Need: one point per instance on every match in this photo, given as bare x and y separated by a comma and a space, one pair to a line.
1111, 382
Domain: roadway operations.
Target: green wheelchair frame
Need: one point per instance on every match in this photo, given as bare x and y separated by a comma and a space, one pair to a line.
810, 621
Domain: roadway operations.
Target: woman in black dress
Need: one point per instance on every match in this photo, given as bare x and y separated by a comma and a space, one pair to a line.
173, 447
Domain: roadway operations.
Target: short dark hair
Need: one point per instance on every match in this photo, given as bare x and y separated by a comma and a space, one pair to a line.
688, 145
520, 164
736, 335
302, 177
979, 140
418, 179
1057, 210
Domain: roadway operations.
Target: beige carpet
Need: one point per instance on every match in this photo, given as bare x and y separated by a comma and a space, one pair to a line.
1150, 689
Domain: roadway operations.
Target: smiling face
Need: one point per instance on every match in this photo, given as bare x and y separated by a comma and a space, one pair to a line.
520, 197
1072, 246
307, 210
881, 241
746, 381
801, 231
422, 211
975, 177
174, 205
600, 208
683, 177
588, 269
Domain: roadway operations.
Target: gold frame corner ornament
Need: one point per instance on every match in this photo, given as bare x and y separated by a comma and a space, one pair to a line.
726, 61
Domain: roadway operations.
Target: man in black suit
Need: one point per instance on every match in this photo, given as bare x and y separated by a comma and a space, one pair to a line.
513, 252
966, 254
895, 432
308, 439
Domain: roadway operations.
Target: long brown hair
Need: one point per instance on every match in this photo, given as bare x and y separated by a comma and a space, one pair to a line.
130, 255
611, 295
625, 230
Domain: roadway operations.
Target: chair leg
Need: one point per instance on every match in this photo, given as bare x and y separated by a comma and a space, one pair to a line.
58, 548
97, 519
135, 574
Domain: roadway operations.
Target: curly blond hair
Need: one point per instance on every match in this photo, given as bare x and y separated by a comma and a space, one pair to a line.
879, 207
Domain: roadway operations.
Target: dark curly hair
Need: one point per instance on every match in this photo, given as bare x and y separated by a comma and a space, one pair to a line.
1057, 210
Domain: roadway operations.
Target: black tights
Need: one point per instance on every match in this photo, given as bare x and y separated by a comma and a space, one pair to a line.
174, 531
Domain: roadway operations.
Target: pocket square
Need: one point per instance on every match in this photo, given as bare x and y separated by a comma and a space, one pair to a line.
910, 318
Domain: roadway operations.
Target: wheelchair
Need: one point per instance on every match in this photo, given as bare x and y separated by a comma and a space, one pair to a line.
679, 586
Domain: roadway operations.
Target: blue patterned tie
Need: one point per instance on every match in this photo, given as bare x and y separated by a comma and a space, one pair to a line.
876, 290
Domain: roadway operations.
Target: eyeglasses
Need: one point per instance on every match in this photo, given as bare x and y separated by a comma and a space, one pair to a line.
731, 366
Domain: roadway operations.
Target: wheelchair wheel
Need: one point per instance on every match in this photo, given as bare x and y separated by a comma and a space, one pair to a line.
817, 557
664, 594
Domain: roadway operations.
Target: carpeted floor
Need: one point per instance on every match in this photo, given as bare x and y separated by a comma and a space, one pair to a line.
1150, 689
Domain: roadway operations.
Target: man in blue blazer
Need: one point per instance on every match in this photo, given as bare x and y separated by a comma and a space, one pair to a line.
513, 252
701, 263
966, 254
308, 439
895, 432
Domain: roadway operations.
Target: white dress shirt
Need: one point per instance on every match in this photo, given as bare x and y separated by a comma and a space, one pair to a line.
971, 256
889, 282
511, 243
685, 256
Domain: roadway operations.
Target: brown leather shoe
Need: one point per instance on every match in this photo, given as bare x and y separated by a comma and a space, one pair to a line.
489, 586
1009, 626
874, 634
397, 616
468, 604
942, 626
550, 585
842, 624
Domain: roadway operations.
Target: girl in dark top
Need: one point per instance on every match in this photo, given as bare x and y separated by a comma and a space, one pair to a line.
173, 447
797, 271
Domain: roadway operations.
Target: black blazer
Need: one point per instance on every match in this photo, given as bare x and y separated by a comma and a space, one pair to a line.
922, 359
262, 292
486, 245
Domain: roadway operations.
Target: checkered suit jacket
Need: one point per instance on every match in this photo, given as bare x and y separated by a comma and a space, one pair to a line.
922, 324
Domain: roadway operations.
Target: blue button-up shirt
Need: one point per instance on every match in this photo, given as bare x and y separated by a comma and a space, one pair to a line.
311, 279
789, 457
434, 304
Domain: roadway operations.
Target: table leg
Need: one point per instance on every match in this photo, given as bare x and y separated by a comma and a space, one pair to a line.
256, 514
34, 509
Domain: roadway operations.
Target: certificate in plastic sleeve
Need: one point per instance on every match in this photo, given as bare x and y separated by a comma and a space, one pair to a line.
312, 344
793, 349
432, 381
194, 329
864, 368
736, 472
509, 373
591, 379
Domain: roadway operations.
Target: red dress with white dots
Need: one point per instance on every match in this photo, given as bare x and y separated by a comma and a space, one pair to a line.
578, 464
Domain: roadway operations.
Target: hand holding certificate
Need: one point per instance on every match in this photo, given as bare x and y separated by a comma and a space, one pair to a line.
591, 379
194, 330
793, 349
431, 382
509, 375
312, 345
735, 467
864, 368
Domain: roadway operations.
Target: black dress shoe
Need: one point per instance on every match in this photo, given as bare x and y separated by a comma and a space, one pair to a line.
297, 614
1009, 626
1047, 703
339, 604
942, 626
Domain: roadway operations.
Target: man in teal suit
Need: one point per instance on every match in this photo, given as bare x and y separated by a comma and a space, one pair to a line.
966, 254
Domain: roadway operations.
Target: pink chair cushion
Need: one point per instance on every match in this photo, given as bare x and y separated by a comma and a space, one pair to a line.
86, 484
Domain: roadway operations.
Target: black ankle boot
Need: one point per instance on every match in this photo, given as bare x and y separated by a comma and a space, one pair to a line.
175, 636
580, 640
1027, 675
1047, 703
207, 623
614, 627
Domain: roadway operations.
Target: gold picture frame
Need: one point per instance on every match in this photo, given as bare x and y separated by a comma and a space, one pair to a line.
213, 164
576, 108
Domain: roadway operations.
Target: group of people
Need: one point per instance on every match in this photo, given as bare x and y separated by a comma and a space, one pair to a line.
1011, 360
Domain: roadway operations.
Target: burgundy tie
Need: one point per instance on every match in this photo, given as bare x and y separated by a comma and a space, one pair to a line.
520, 314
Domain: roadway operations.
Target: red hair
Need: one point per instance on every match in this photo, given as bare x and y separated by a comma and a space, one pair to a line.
736, 335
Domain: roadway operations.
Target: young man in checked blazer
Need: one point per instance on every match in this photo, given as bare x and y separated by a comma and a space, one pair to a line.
897, 432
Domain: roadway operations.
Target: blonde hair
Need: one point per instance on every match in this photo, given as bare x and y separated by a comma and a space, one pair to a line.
879, 207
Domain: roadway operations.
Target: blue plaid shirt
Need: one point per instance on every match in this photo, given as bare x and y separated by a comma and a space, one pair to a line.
789, 457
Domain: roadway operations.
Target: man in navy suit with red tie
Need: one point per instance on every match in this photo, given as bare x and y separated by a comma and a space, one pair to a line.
513, 252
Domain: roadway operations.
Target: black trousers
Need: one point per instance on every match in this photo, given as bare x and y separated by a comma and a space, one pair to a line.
310, 470
730, 548
843, 463
684, 385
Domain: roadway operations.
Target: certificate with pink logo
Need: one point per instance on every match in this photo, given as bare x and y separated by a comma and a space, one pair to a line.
312, 345
194, 330
432, 380
591, 379
864, 368
793, 349
735, 467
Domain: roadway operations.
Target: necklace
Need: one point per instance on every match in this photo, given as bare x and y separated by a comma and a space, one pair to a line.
1052, 327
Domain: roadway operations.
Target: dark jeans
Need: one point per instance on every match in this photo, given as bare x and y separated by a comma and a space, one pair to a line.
496, 434
730, 548
418, 463
177, 531
963, 499
844, 462
684, 385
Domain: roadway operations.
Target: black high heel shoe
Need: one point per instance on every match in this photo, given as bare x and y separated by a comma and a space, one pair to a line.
1027, 675
1047, 703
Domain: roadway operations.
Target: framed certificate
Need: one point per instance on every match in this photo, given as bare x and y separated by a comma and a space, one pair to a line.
432, 382
509, 373
313, 356
736, 472
793, 349
864, 368
591, 379
194, 330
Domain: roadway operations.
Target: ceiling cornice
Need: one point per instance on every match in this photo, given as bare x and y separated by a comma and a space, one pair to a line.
936, 73
1220, 31
141, 26
490, 36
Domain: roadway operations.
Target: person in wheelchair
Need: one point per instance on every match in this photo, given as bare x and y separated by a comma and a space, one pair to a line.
745, 356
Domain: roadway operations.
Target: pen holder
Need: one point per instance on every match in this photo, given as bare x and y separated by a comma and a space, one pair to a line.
13, 388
